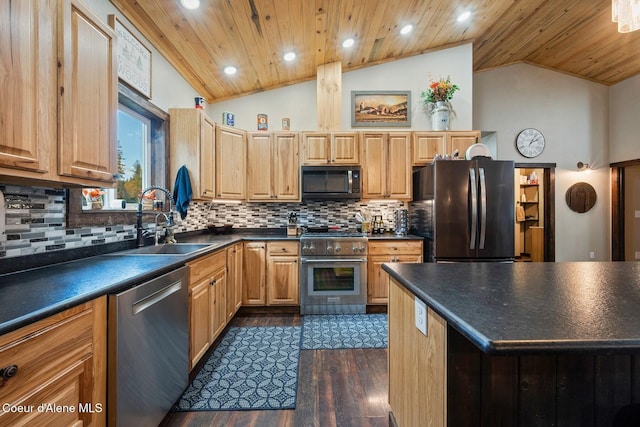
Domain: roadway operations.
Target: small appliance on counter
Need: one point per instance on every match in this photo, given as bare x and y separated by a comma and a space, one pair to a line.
292, 226
402, 219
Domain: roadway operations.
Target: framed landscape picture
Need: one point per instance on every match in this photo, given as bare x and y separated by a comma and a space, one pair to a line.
134, 59
381, 108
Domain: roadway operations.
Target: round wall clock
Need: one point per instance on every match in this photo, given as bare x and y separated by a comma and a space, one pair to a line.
530, 142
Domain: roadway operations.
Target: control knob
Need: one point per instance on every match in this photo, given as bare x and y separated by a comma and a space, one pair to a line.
329, 248
337, 249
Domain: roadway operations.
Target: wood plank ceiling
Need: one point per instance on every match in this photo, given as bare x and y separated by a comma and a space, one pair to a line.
575, 37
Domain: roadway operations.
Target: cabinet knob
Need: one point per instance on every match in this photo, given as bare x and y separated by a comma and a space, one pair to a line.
212, 282
8, 372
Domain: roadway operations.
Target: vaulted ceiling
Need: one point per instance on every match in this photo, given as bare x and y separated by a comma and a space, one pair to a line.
576, 37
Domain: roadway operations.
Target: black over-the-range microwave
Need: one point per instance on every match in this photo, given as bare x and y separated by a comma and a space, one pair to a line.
331, 182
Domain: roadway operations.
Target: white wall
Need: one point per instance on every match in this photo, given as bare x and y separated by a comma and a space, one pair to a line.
572, 114
298, 102
624, 102
168, 88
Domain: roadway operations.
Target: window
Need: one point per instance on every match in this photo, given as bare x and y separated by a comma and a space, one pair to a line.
134, 159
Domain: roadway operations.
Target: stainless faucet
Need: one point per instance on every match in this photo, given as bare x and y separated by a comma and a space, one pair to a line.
170, 222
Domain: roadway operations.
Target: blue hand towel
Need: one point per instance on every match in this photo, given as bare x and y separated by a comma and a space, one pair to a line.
182, 192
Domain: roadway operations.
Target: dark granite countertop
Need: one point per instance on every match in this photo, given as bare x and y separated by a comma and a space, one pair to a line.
33, 294
533, 307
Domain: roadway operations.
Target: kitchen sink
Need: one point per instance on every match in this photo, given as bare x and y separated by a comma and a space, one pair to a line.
166, 249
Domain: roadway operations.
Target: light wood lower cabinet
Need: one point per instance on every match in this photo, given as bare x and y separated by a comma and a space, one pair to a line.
234, 279
207, 302
283, 271
381, 252
60, 360
271, 273
254, 289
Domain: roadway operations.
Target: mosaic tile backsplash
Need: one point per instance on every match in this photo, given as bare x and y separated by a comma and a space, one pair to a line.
32, 219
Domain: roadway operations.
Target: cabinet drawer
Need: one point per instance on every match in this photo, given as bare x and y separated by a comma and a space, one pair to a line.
405, 247
44, 354
282, 248
206, 266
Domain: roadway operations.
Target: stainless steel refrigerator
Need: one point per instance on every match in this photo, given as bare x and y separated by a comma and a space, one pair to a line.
465, 208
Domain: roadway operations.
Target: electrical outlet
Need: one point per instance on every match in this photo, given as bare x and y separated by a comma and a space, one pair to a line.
637, 254
421, 315
637, 214
592, 255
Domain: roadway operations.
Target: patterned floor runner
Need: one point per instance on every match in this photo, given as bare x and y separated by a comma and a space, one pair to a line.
340, 331
251, 368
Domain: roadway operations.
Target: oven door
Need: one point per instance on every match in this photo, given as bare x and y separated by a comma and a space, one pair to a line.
326, 284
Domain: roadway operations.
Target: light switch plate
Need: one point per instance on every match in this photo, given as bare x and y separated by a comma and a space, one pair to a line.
637, 214
421, 315
637, 254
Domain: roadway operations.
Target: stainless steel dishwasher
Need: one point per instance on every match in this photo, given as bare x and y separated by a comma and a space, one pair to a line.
148, 362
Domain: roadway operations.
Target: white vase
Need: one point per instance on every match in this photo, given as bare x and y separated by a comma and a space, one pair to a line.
440, 116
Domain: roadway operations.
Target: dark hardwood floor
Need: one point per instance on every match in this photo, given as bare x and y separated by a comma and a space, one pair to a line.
335, 388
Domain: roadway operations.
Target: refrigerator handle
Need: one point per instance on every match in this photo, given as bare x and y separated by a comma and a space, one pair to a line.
474, 208
483, 207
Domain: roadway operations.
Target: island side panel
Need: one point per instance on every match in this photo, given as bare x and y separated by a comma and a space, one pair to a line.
417, 363
561, 389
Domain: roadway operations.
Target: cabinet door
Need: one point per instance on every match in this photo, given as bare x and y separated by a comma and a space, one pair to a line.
398, 169
231, 153
282, 280
377, 280
218, 293
316, 148
254, 279
426, 145
345, 148
259, 166
374, 159
200, 316
28, 111
239, 255
286, 170
461, 141
207, 174
89, 96
234, 280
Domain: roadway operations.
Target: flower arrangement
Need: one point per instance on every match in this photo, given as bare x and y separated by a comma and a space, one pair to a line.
93, 196
440, 90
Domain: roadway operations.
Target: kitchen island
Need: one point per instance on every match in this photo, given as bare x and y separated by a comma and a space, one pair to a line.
515, 344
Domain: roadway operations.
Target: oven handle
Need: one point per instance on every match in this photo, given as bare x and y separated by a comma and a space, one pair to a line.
335, 260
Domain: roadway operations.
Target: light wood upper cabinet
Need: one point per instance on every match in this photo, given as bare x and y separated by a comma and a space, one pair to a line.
273, 166
192, 143
88, 96
427, 144
59, 89
60, 360
231, 163
386, 169
339, 148
28, 110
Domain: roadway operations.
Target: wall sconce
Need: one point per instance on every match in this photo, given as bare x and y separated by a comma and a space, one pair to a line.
583, 166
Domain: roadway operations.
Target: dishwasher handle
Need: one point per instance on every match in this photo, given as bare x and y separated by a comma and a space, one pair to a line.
155, 297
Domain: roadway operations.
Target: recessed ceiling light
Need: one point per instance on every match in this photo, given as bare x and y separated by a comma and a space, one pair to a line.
348, 42
190, 4
230, 70
406, 29
464, 16
289, 56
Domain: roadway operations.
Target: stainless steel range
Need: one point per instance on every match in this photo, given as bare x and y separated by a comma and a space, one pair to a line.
333, 273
